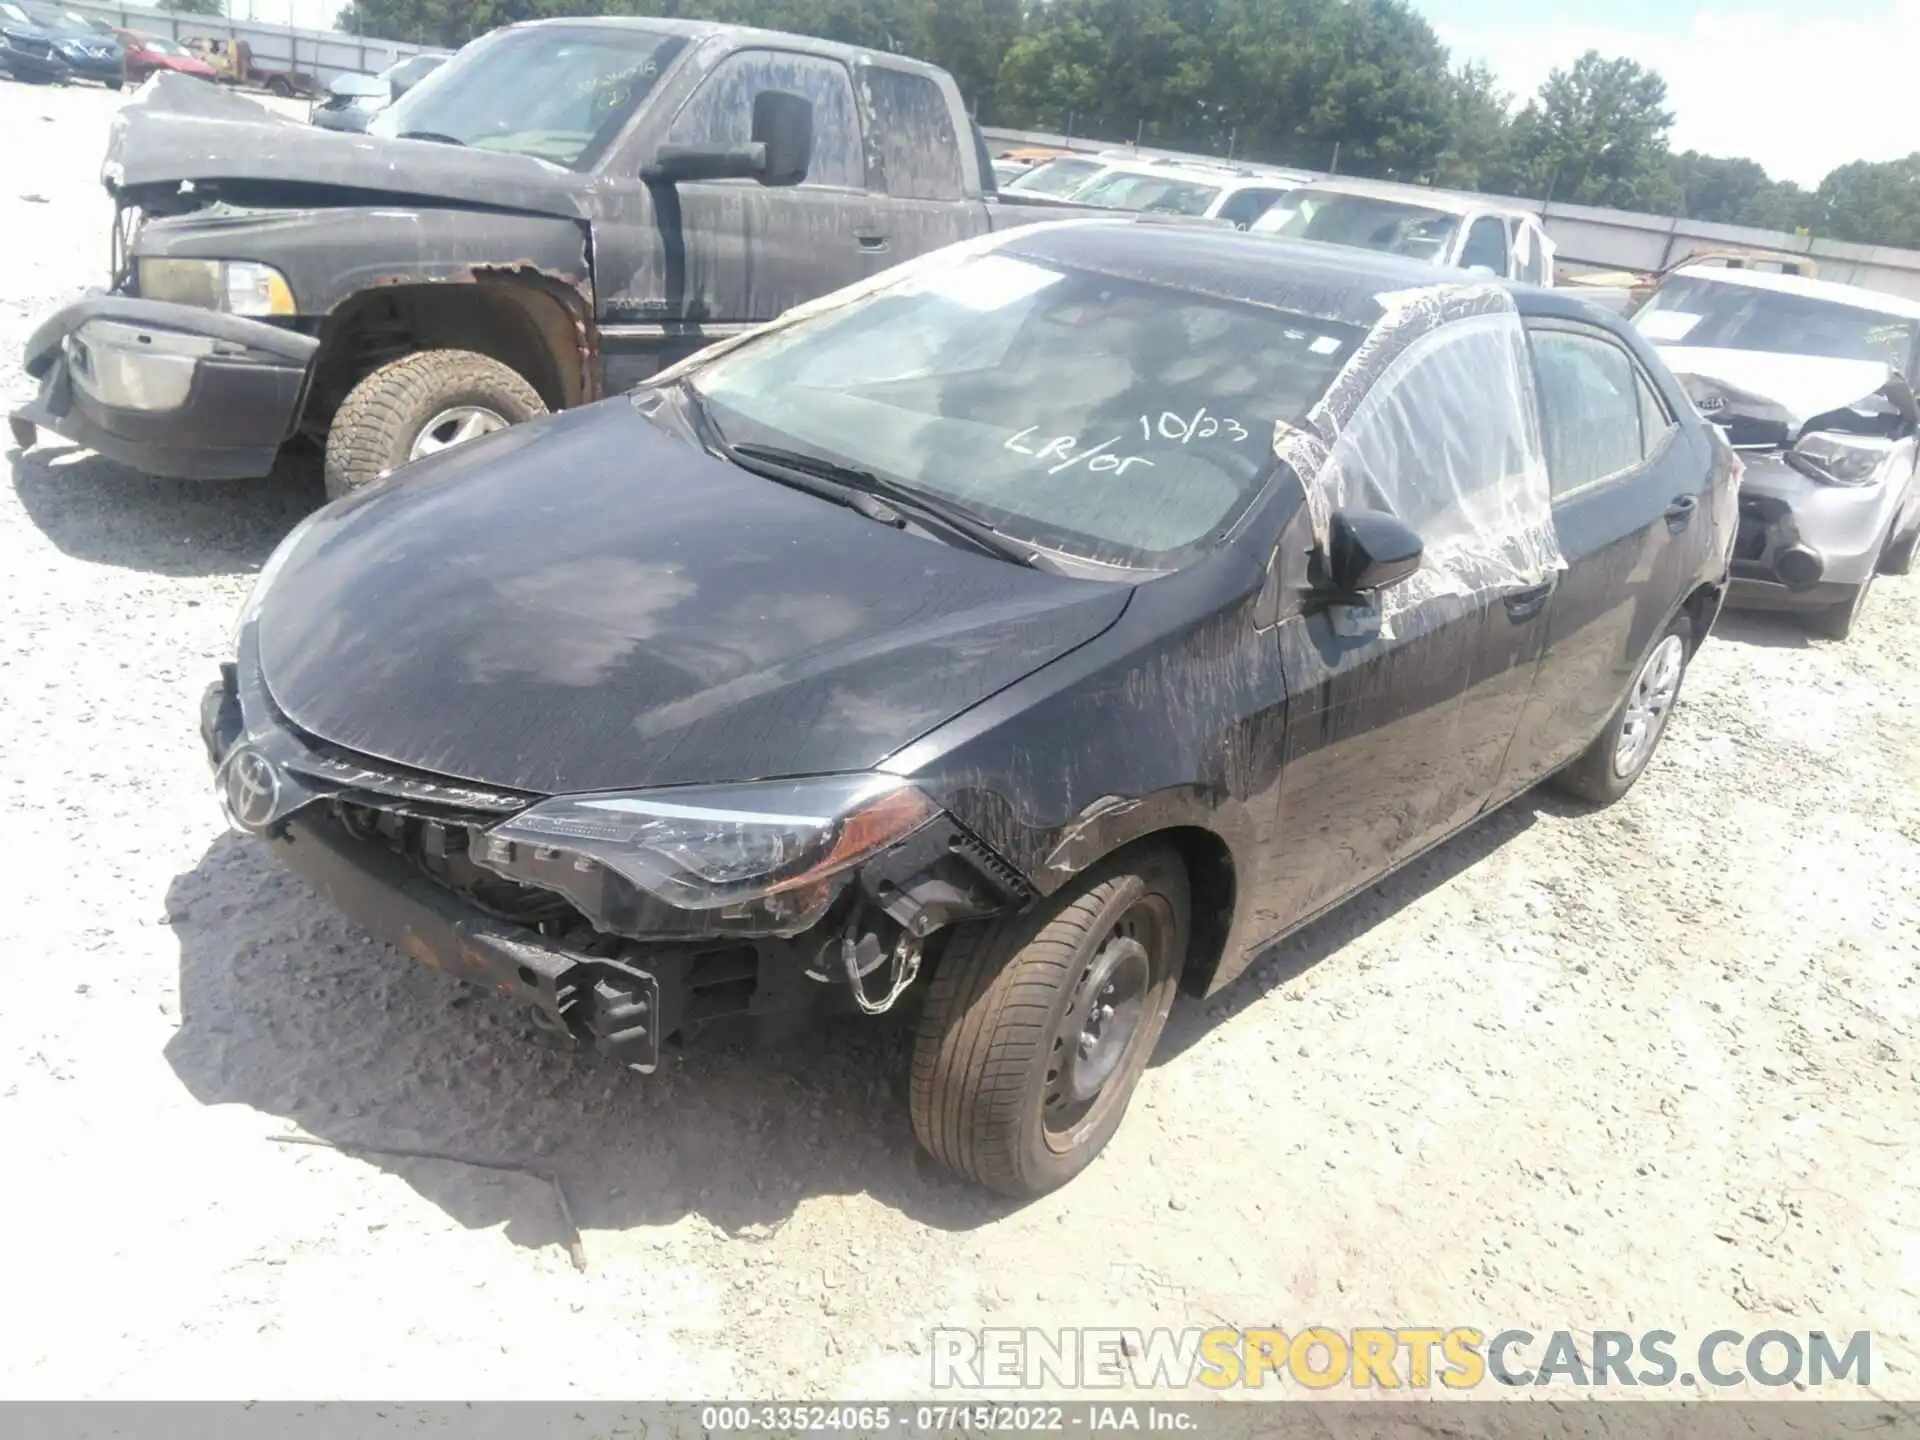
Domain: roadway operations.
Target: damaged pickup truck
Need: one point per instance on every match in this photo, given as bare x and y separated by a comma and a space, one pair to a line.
1813, 382
1022, 636
558, 211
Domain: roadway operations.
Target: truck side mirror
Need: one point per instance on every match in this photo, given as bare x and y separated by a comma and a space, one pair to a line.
780, 152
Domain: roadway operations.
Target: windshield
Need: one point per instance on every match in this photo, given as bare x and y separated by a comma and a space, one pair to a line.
1108, 419
1057, 178
1688, 310
559, 92
1362, 222
1124, 190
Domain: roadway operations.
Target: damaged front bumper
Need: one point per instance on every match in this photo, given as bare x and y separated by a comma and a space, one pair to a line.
1804, 544
167, 389
391, 850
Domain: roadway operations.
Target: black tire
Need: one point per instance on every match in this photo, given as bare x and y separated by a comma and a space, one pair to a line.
276, 85
1599, 776
376, 427
1897, 558
996, 1054
1836, 622
115, 84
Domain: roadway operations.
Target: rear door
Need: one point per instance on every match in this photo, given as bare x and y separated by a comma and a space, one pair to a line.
916, 168
676, 267
1632, 506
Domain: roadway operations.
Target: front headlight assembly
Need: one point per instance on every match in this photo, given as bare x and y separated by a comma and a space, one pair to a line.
758, 859
234, 287
1836, 459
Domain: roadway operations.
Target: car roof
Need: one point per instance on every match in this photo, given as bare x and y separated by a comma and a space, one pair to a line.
698, 30
1446, 201
1829, 290
1330, 282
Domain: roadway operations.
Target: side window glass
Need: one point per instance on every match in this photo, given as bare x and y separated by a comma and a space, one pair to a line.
1486, 245
1248, 206
1590, 401
1655, 423
915, 147
721, 111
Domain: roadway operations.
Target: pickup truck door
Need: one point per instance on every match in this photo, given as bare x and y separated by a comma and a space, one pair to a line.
918, 160
677, 267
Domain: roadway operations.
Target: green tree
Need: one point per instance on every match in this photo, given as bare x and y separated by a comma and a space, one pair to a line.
1596, 135
1479, 130
1870, 203
198, 7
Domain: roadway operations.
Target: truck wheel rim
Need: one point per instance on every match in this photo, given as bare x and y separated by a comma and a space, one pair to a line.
455, 426
1652, 697
1103, 1023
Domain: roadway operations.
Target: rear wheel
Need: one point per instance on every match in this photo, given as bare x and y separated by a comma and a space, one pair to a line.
418, 406
278, 85
1036, 1028
1836, 622
1609, 766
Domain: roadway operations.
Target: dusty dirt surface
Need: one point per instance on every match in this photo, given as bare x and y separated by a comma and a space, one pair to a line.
1651, 1068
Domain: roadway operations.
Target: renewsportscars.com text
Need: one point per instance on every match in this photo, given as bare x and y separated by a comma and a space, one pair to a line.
1378, 1358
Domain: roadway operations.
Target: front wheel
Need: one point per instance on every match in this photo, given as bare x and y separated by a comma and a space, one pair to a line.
1836, 622
1036, 1028
1609, 766
417, 406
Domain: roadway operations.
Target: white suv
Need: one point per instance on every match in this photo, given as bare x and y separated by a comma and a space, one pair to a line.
1469, 232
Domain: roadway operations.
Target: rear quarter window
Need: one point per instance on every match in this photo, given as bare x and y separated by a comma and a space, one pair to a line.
914, 147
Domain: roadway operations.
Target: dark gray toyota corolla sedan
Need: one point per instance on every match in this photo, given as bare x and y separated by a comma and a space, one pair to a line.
1024, 635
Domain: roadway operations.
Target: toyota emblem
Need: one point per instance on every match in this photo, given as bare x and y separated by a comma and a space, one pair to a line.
252, 790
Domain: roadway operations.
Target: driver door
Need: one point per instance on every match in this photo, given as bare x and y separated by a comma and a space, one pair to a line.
679, 266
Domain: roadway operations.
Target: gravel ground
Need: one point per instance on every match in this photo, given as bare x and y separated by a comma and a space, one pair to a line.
1648, 1068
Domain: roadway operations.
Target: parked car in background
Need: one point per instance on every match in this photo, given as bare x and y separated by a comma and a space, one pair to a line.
1165, 187
352, 99
1146, 619
90, 55
1057, 178
1463, 231
147, 53
1627, 290
28, 50
558, 211
1813, 383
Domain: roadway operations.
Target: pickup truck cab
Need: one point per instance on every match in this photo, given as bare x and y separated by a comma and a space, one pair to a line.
557, 212
1463, 232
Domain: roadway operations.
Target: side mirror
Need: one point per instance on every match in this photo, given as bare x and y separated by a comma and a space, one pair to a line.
1367, 550
781, 151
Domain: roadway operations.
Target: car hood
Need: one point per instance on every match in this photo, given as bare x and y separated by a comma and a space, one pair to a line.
1801, 386
177, 131
588, 603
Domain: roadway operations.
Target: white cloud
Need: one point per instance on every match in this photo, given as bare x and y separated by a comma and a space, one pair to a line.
1800, 96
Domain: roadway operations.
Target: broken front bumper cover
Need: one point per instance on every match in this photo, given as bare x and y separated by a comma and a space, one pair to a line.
168, 389
1803, 544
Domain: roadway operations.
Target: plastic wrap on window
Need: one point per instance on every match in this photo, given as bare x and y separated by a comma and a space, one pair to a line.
1433, 420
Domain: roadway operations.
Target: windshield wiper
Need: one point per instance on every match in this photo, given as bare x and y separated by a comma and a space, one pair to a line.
433, 135
971, 527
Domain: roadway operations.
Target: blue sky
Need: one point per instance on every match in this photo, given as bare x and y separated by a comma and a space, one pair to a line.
1798, 86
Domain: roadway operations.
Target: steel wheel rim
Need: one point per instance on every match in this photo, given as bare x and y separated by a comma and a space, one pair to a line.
1650, 701
453, 426
1106, 1019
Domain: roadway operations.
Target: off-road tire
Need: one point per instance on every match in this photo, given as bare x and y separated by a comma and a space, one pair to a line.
1836, 622
985, 1049
375, 427
1594, 777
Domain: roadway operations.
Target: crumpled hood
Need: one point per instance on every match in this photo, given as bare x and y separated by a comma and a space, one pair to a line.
177, 128
588, 603
1802, 386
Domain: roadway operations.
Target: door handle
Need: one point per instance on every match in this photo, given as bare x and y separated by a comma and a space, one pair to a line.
1681, 510
874, 244
1527, 602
